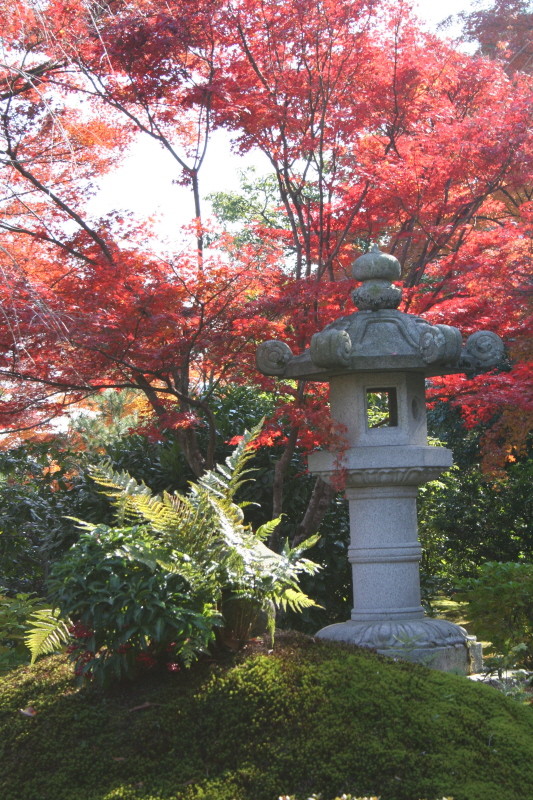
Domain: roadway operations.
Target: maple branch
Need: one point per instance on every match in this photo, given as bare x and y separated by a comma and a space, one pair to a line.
203, 138
406, 227
14, 162
319, 503
285, 197
154, 131
196, 402
494, 220
391, 130
31, 77
434, 245
43, 421
63, 385
355, 210
35, 402
295, 204
151, 393
187, 437
282, 465
46, 238
505, 191
280, 470
250, 56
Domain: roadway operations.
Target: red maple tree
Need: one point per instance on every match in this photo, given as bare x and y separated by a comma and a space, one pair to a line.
503, 31
375, 132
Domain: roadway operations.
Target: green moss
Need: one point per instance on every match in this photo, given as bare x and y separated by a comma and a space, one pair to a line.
310, 717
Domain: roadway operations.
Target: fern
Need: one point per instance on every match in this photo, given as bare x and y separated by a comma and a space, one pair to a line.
294, 599
226, 481
178, 520
48, 633
208, 527
265, 531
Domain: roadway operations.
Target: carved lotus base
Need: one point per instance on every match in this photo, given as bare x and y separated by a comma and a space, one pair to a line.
436, 643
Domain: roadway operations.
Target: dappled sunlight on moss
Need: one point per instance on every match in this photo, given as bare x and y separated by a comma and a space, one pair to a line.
307, 717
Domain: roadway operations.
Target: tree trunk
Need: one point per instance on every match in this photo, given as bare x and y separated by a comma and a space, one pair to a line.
319, 502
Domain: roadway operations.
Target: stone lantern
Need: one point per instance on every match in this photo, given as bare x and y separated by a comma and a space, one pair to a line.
376, 361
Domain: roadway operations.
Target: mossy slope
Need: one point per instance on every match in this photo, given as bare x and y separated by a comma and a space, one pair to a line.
309, 717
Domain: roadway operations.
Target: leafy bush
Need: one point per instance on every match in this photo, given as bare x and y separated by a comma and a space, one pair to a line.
129, 608
40, 484
500, 607
467, 518
154, 587
14, 614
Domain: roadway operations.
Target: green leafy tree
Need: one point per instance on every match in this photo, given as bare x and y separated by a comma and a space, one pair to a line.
500, 606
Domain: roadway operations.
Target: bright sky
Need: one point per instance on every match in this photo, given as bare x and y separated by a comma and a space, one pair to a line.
145, 178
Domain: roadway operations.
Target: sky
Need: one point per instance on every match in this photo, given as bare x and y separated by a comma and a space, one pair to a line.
145, 177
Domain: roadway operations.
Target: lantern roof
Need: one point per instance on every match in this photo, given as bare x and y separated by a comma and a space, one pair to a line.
379, 338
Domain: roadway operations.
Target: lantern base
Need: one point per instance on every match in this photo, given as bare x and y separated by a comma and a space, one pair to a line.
435, 643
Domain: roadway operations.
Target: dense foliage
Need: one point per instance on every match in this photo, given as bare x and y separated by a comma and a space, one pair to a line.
128, 610
465, 517
500, 604
14, 615
42, 484
154, 587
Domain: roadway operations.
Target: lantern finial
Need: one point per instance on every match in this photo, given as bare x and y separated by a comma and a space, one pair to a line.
377, 270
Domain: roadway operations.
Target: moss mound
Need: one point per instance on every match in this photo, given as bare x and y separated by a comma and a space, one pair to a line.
309, 717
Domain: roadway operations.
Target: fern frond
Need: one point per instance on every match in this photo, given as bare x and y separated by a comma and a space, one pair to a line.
293, 555
48, 633
134, 500
120, 483
225, 481
266, 530
306, 544
295, 599
121, 488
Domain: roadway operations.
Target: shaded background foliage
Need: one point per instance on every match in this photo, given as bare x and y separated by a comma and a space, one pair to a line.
466, 517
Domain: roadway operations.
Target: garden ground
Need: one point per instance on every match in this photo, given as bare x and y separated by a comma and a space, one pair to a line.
305, 717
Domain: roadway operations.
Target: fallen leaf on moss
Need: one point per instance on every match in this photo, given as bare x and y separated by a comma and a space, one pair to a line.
28, 712
143, 706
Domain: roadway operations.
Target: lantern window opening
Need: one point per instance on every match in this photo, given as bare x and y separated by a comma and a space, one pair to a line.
381, 407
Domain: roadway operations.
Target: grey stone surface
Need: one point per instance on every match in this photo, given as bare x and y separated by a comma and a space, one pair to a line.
376, 265
348, 403
397, 464
387, 339
432, 642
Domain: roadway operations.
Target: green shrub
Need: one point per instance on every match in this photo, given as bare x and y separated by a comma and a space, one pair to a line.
14, 614
129, 608
154, 587
40, 484
500, 607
